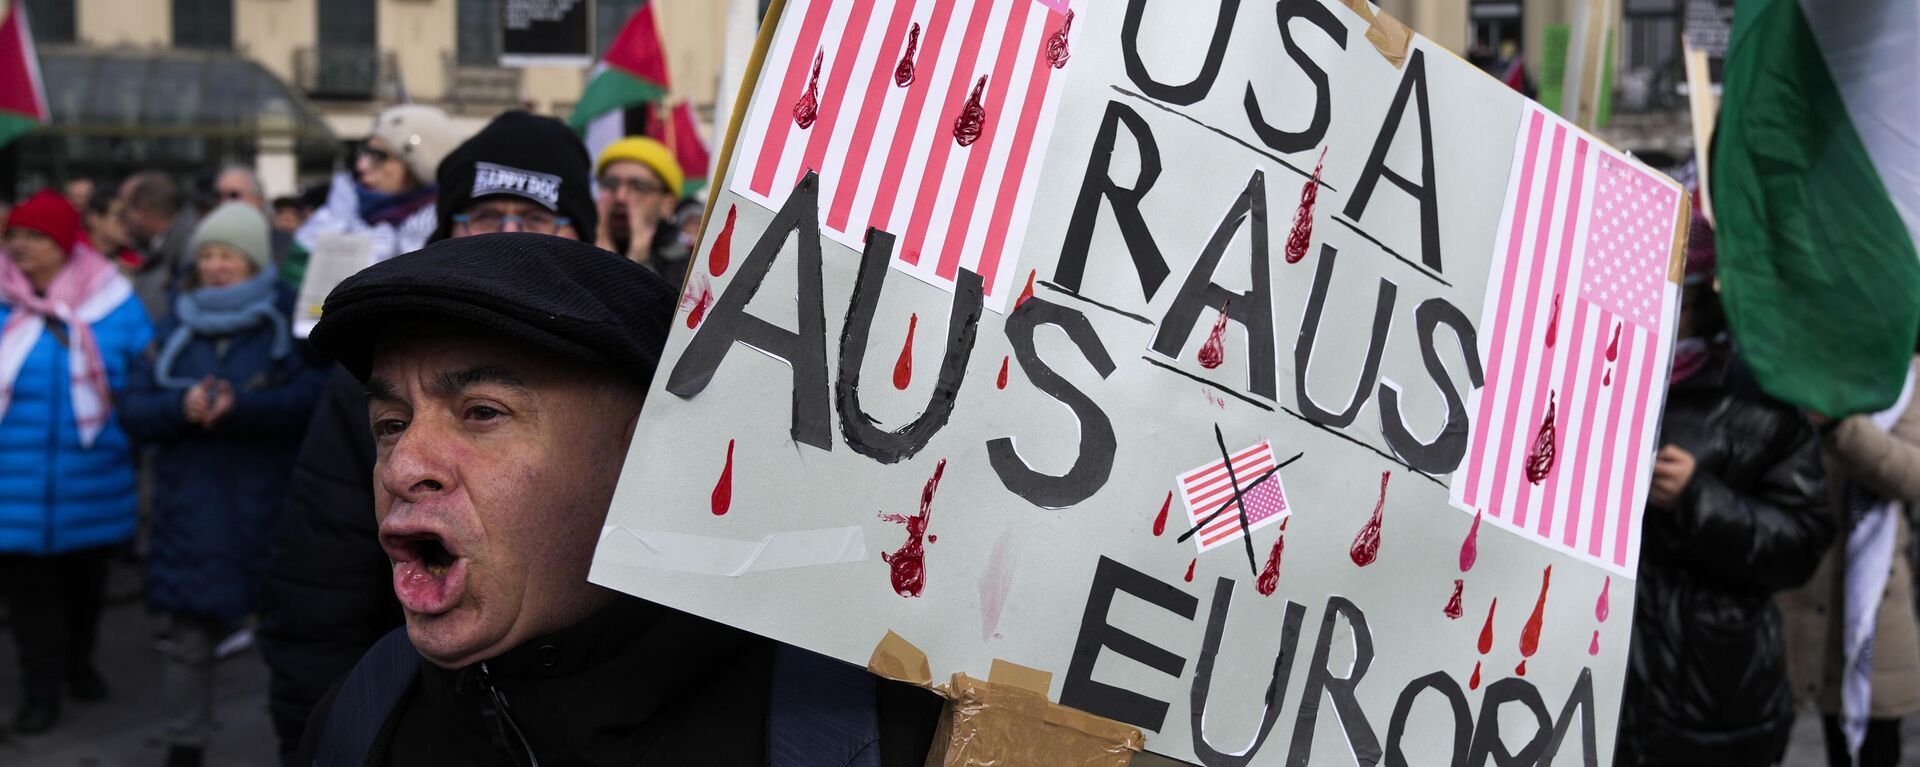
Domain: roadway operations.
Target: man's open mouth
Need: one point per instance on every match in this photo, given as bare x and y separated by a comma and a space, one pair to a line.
428, 577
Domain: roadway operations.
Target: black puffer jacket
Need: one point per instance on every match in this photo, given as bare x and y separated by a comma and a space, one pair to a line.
1706, 677
329, 588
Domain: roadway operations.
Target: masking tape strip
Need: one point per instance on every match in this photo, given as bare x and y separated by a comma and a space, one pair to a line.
730, 557
1677, 263
1388, 34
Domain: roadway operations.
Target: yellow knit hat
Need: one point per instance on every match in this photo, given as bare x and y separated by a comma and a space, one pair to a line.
648, 152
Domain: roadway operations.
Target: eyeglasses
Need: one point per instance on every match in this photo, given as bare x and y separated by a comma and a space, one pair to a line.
489, 222
636, 185
232, 194
377, 155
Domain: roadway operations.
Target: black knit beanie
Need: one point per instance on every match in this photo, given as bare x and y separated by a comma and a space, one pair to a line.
523, 155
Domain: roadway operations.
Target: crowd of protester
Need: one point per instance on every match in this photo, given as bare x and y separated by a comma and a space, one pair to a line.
152, 376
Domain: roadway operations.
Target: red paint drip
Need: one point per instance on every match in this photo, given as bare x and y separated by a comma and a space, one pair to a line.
909, 570
1593, 648
1027, 292
1269, 579
1607, 380
1001, 382
1474, 682
903, 367
808, 107
933, 539
1540, 460
903, 72
1454, 610
1301, 235
1613, 347
1160, 522
1283, 522
1486, 629
1530, 635
723, 489
1470, 548
1553, 322
1366, 545
1190, 565
1214, 351
1521, 670
1600, 609
1057, 53
722, 246
699, 311
973, 117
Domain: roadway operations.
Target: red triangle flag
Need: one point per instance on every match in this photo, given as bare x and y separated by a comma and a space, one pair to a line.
637, 50
21, 92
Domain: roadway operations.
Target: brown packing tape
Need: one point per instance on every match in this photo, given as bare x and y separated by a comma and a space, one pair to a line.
897, 659
1389, 36
1012, 674
994, 724
1677, 263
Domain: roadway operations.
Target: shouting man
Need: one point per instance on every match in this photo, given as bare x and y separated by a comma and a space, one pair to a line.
505, 375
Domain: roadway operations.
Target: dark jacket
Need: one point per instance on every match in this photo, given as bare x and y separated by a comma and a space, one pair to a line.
329, 587
218, 491
633, 684
1706, 674
164, 264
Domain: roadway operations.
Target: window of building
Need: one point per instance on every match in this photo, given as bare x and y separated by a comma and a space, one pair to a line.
345, 62
1651, 69
203, 24
608, 17
479, 33
52, 20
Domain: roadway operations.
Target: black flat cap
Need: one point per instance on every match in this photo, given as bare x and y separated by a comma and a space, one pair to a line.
569, 298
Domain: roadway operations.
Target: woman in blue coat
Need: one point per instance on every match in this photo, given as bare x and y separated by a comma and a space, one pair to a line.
225, 394
70, 327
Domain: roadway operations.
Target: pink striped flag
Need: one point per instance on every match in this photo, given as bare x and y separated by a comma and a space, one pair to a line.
925, 118
1575, 337
1207, 488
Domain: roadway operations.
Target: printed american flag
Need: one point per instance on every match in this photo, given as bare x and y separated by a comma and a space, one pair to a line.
886, 152
1207, 488
1574, 327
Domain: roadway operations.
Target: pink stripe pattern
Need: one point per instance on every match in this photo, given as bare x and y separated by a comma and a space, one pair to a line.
1573, 329
888, 155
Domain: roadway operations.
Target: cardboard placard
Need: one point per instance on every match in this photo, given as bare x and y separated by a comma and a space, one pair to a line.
1227, 372
335, 257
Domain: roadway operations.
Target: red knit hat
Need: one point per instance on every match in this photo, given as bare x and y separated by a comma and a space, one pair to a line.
50, 214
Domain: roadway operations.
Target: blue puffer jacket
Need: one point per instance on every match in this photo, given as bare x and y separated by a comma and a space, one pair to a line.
56, 496
217, 492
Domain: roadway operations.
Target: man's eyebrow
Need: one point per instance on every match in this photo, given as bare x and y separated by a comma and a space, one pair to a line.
450, 382
381, 389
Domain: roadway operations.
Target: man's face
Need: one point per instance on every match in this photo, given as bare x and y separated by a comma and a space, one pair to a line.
495, 466
139, 223
287, 219
237, 186
627, 185
79, 192
505, 213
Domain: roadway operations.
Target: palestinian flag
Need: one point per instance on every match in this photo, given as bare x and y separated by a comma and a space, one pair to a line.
1816, 192
23, 99
683, 136
633, 72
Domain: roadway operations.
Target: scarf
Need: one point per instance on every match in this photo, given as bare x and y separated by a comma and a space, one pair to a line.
1871, 529
214, 312
86, 290
1690, 356
380, 207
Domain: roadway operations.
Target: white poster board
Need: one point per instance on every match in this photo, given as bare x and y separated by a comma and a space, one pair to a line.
1440, 390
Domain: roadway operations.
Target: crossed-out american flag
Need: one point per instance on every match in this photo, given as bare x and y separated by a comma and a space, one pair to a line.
1206, 489
1571, 334
882, 135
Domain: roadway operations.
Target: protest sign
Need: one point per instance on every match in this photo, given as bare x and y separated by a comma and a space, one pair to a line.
335, 257
1272, 368
546, 32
